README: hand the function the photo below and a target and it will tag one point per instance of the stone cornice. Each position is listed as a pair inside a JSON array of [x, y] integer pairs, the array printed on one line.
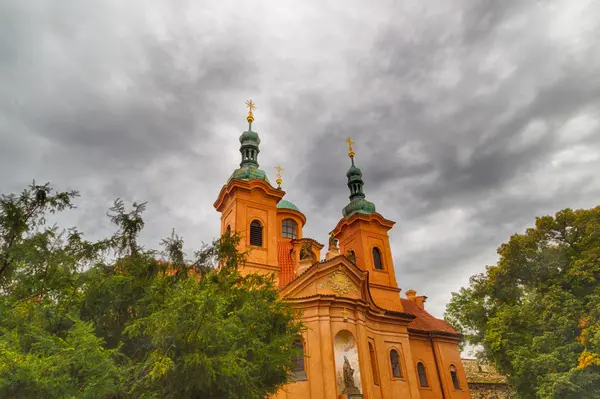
[[249, 186], [372, 217]]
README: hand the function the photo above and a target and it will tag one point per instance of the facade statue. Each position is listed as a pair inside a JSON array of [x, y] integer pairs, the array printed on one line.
[[306, 252], [332, 243], [349, 386], [351, 256]]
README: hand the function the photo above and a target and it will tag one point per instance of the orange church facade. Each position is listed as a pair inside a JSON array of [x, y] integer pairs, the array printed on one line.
[[362, 339]]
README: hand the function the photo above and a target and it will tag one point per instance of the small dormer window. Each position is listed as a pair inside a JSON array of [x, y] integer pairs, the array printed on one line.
[[256, 234], [289, 228]]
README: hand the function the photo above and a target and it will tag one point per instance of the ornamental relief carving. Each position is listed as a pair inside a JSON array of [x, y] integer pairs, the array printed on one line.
[[339, 283]]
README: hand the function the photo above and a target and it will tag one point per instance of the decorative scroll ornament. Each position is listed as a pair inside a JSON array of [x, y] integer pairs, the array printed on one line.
[[339, 282]]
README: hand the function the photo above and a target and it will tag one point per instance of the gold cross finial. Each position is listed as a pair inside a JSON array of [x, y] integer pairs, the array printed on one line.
[[279, 179], [350, 150], [251, 107]]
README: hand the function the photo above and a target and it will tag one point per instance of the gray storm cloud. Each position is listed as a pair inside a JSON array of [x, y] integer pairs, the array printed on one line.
[[470, 118]]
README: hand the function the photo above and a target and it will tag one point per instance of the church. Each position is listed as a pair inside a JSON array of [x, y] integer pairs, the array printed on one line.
[[362, 338]]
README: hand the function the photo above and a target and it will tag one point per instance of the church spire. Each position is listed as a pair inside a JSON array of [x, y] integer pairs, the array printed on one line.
[[358, 203], [249, 150], [355, 181], [249, 141]]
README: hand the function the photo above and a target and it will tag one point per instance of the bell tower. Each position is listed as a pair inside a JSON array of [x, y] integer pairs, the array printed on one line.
[[363, 237], [248, 204]]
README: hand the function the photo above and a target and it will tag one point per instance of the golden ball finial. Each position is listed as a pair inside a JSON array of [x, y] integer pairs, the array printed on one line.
[[251, 107], [279, 179]]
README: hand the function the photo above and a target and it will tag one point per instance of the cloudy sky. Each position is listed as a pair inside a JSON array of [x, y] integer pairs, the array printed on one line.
[[470, 117]]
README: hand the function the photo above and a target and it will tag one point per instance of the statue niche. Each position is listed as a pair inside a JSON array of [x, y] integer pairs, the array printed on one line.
[[347, 366]]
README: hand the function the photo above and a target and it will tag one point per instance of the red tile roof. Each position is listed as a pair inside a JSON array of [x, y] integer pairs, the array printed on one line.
[[285, 262], [424, 321]]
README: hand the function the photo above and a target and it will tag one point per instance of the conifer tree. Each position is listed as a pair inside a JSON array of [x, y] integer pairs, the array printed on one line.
[[111, 319]]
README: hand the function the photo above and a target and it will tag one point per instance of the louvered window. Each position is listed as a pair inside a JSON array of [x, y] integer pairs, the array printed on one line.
[[289, 228], [256, 234]]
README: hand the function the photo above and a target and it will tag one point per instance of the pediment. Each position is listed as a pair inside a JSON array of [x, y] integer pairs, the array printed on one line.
[[338, 277]]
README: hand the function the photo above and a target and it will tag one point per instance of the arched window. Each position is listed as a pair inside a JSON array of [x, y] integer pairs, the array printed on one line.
[[454, 375], [289, 228], [299, 364], [422, 375], [395, 363], [228, 230], [256, 234], [373, 364], [377, 259], [299, 371]]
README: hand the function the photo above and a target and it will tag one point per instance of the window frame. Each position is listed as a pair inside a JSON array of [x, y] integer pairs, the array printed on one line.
[[453, 374], [262, 233], [428, 386], [380, 254], [284, 227], [400, 368], [300, 375], [373, 358]]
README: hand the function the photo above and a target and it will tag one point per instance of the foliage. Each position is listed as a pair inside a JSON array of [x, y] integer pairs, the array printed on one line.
[[108, 319], [536, 314]]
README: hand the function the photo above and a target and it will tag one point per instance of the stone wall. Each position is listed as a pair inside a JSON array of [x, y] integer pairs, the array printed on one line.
[[490, 391]]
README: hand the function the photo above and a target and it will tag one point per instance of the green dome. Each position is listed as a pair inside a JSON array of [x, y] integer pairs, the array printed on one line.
[[358, 205], [249, 173], [353, 171], [285, 204], [249, 135]]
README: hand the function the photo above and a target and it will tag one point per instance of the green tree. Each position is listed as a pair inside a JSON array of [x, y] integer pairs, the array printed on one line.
[[536, 314], [110, 319], [46, 350]]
